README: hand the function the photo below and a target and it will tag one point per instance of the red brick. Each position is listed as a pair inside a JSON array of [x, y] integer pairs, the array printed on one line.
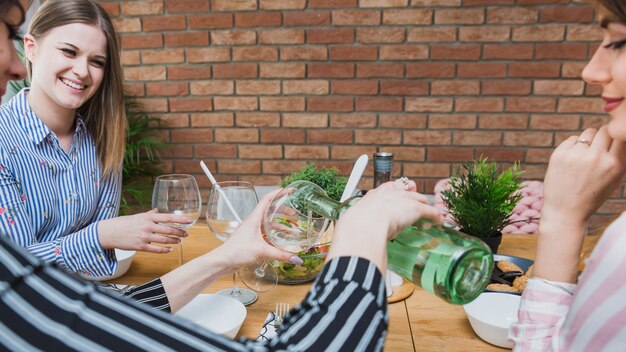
[[187, 39], [356, 18], [330, 70], [378, 137], [308, 87], [191, 104], [561, 51], [255, 53], [484, 34], [141, 41], [479, 104], [257, 19], [404, 52], [330, 104], [306, 53], [236, 135], [235, 71], [383, 3], [554, 122], [199, 55], [180, 151], [186, 167], [281, 36], [163, 56], [380, 35], [330, 36], [229, 5], [260, 152], [282, 103], [526, 138], [211, 21], [379, 70], [531, 104], [578, 105], [450, 154], [257, 119], [481, 70], [215, 151], [358, 120], [558, 87], [308, 18], [407, 17], [305, 120], [564, 14], [113, 9], [378, 104], [588, 32], [282, 4], [426, 170], [238, 167], [282, 167], [573, 69], [134, 89], [130, 57], [407, 153], [189, 72], [402, 121], [477, 137], [186, 6], [427, 137], [164, 23], [487, 2], [126, 25], [192, 135], [215, 119], [503, 122], [430, 70], [236, 103], [508, 51], [540, 33], [432, 34], [283, 70], [455, 87], [456, 16], [265, 87], [233, 37], [138, 8], [404, 87], [153, 104], [505, 87], [350, 152], [452, 121], [331, 4], [144, 73], [212, 87], [306, 152], [333, 137], [429, 104], [167, 88], [534, 69], [501, 154], [294, 136], [511, 15], [353, 53], [354, 87], [463, 52]]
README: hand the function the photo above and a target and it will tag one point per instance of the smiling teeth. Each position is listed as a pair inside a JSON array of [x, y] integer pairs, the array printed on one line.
[[72, 84]]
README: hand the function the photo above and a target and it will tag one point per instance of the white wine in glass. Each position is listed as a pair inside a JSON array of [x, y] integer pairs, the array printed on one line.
[[177, 194]]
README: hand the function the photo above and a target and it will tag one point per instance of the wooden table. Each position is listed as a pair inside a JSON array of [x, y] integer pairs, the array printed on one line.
[[422, 322]]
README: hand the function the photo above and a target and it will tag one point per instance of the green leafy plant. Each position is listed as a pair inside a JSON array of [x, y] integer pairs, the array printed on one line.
[[327, 178], [481, 197]]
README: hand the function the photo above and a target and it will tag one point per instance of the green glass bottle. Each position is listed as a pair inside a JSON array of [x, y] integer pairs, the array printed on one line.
[[454, 266]]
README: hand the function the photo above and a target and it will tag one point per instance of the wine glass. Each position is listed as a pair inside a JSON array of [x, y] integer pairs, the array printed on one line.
[[177, 194], [224, 199]]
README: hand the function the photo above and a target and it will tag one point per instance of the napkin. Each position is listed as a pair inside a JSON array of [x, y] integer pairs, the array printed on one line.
[[268, 331]]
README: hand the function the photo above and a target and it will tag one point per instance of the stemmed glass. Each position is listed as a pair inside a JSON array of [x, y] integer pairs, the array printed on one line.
[[177, 194], [223, 223]]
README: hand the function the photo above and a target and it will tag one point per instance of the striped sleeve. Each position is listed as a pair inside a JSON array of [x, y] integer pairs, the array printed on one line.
[[151, 293]]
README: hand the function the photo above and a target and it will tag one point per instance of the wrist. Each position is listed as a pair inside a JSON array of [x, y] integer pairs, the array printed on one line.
[[102, 235]]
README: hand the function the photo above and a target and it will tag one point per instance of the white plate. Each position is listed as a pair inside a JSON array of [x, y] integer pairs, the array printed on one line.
[[124, 259], [220, 314]]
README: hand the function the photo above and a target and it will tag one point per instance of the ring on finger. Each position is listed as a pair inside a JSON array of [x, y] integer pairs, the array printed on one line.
[[405, 181], [584, 141]]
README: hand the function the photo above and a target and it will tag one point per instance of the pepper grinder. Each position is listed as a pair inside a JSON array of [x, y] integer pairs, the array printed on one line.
[[383, 162]]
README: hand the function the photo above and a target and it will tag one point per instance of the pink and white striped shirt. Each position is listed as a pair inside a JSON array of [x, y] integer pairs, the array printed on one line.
[[590, 316]]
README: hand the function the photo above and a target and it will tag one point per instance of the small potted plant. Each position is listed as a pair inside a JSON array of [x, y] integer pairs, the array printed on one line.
[[481, 197]]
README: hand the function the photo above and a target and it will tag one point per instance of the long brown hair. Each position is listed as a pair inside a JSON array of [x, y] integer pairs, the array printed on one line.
[[104, 112], [616, 8]]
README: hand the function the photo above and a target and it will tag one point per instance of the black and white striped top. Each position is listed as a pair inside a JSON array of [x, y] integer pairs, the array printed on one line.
[[44, 308]]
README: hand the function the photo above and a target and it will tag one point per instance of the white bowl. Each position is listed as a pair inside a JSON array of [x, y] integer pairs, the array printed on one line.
[[220, 314], [491, 316], [124, 259]]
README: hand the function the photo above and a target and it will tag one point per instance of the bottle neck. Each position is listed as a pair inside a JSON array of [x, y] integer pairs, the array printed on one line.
[[327, 207]]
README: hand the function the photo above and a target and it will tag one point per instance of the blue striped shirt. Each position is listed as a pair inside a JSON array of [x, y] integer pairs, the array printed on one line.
[[51, 200]]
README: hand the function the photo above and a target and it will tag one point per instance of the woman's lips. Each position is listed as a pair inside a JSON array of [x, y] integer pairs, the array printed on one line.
[[611, 103]]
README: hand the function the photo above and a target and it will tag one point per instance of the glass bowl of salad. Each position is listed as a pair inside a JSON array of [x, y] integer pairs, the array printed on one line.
[[296, 274]]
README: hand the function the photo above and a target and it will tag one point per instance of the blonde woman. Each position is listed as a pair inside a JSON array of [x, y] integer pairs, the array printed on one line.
[[62, 145]]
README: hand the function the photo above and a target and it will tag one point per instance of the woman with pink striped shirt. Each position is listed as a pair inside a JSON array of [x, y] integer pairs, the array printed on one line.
[[561, 311]]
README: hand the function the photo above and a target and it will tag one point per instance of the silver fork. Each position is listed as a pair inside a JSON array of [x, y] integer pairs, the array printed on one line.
[[281, 309]]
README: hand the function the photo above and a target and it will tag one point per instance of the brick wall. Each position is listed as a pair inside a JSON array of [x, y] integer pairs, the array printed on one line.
[[258, 87]]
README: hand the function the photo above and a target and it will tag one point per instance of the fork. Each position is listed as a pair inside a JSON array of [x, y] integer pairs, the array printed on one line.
[[281, 309]]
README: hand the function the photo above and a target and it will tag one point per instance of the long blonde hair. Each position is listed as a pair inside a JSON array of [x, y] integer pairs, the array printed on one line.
[[104, 112]]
